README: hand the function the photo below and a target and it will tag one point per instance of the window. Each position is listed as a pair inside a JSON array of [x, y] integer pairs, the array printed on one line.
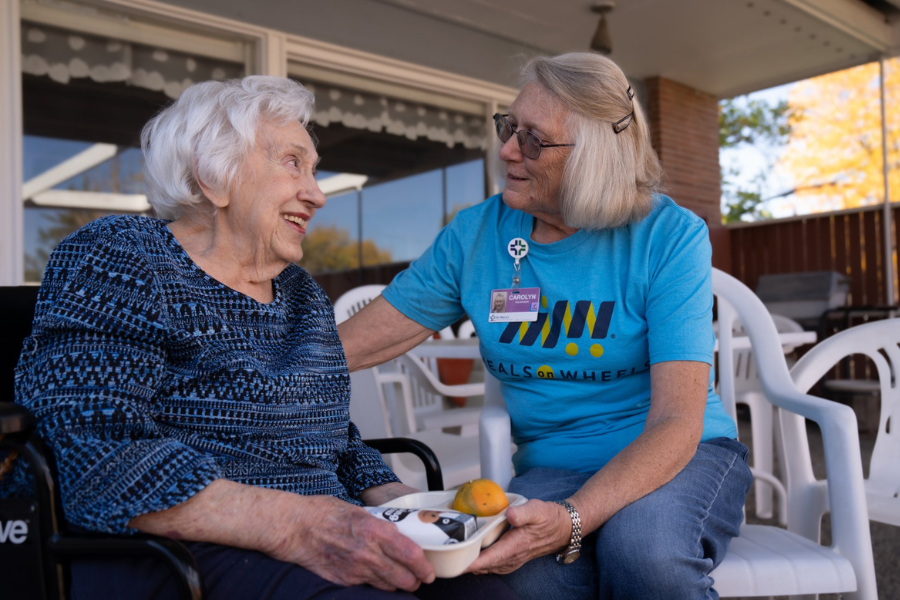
[[85, 100], [418, 165]]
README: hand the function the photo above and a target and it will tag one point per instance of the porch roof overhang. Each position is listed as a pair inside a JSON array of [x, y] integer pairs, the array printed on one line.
[[722, 47]]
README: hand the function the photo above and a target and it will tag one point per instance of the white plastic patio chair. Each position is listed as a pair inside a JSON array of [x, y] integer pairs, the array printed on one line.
[[879, 342], [426, 404], [458, 456], [765, 560], [353, 301], [425, 397]]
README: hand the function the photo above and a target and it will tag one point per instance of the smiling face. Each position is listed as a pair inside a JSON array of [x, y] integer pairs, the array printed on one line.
[[276, 196], [533, 186]]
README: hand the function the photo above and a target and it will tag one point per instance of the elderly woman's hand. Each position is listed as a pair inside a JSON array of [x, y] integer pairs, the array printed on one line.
[[344, 544], [538, 528]]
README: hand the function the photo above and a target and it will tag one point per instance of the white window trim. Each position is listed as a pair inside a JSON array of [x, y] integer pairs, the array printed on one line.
[[12, 219], [400, 79], [262, 50]]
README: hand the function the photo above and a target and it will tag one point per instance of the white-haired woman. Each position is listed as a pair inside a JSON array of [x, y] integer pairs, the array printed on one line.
[[189, 378], [604, 358]]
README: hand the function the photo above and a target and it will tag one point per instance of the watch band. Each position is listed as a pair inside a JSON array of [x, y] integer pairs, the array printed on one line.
[[573, 550]]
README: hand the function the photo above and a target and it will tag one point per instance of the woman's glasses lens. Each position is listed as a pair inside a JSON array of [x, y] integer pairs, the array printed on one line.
[[504, 129], [529, 143]]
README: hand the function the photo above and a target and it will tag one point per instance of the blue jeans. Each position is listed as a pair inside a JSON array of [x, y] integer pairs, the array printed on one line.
[[663, 545]]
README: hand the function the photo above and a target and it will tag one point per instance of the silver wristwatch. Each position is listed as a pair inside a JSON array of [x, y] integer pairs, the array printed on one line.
[[573, 550]]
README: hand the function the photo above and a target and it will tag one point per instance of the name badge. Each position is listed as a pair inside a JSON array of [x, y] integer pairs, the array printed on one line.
[[514, 305]]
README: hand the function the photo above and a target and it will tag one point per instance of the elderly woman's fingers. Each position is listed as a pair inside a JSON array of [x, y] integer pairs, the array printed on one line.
[[404, 551], [346, 545]]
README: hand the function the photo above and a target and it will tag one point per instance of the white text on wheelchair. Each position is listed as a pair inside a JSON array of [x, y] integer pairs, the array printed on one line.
[[15, 531]]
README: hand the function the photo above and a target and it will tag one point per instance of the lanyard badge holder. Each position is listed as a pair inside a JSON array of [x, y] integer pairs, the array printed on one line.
[[515, 304]]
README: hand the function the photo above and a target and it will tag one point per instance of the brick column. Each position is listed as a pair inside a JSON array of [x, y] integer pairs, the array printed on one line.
[[684, 123]]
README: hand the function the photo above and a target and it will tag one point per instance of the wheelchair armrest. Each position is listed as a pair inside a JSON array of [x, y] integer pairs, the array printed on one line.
[[18, 422], [171, 552], [433, 474]]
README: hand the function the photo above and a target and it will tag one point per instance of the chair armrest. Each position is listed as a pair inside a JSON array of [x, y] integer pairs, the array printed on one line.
[[415, 366], [433, 474], [843, 462], [495, 435], [171, 552]]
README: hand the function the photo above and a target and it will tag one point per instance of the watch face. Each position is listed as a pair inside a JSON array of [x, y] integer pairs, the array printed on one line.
[[572, 556]]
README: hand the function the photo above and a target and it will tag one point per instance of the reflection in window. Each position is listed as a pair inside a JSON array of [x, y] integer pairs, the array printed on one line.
[[67, 185], [404, 215], [85, 100], [465, 187], [331, 242], [399, 218]]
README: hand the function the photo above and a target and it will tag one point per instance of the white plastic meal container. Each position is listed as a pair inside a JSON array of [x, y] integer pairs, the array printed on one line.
[[451, 560]]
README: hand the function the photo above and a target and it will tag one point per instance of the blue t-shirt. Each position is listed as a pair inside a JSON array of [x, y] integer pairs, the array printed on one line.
[[612, 302]]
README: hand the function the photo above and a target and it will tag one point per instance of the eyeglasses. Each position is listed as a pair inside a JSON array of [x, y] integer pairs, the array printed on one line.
[[529, 143]]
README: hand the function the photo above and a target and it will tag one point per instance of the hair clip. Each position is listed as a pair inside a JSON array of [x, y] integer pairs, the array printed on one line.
[[630, 93], [623, 123]]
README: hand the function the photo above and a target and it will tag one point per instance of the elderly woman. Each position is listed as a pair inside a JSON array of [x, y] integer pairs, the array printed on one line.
[[603, 354], [190, 380]]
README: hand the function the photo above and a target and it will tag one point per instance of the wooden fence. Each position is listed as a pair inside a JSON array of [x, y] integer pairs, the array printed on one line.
[[850, 242]]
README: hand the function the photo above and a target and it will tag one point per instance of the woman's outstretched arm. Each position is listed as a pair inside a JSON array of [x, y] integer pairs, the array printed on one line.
[[378, 333]]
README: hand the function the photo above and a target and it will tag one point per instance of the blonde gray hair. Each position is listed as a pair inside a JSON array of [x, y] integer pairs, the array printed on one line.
[[208, 133], [610, 177]]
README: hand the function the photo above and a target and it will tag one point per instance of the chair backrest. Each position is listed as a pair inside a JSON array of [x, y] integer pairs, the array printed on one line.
[[879, 342], [353, 301], [367, 405]]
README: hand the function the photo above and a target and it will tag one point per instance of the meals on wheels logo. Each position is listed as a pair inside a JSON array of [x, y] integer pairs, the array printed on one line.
[[564, 321], [580, 326]]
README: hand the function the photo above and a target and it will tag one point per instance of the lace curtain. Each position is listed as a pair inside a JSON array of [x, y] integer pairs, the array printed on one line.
[[361, 110], [63, 55]]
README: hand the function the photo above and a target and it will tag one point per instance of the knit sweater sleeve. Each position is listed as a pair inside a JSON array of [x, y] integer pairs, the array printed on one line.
[[90, 373], [362, 467]]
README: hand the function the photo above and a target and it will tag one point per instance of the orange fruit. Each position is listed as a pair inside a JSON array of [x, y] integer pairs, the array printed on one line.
[[480, 497]]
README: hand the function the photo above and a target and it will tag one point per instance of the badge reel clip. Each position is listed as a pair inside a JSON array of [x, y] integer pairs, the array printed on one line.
[[518, 249]]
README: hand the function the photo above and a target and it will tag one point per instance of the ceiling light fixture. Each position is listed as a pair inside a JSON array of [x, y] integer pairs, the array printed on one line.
[[602, 42]]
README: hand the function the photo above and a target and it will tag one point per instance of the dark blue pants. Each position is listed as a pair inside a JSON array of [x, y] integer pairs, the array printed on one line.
[[235, 574]]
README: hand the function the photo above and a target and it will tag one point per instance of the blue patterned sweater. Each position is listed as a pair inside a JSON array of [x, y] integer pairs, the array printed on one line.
[[150, 379]]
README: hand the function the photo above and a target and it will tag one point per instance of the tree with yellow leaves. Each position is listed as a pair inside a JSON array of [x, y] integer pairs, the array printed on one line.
[[329, 248], [834, 152]]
